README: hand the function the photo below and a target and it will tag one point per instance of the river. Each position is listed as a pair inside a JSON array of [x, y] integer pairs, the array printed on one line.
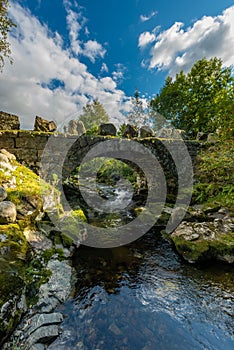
[[143, 296]]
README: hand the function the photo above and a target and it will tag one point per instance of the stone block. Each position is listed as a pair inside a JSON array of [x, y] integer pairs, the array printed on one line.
[[26, 155], [44, 125], [7, 143], [9, 121], [31, 141], [40, 320]]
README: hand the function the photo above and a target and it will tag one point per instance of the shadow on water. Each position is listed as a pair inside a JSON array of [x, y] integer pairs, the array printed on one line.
[[144, 297]]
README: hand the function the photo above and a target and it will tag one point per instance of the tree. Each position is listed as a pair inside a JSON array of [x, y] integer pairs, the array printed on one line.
[[202, 100], [138, 115], [5, 25], [93, 115]]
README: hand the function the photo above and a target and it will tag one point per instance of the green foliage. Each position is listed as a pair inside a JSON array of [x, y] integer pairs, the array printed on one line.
[[121, 129], [202, 100], [92, 131], [5, 25], [215, 176], [115, 169], [107, 170], [93, 115]]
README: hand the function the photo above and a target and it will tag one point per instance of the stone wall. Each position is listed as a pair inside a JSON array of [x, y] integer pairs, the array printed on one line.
[[27, 146]]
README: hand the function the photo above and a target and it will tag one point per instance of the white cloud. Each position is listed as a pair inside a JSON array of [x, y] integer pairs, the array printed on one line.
[[87, 31], [178, 49], [74, 28], [145, 18], [75, 23], [40, 59], [104, 68], [92, 50], [118, 74], [146, 38]]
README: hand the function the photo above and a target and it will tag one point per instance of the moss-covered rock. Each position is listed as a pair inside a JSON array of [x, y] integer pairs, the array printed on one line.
[[205, 240], [71, 227]]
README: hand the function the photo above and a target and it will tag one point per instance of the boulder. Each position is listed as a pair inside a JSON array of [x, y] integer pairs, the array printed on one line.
[[3, 158], [9, 121], [76, 127], [72, 127], [130, 131], [171, 133], [199, 241], [164, 133], [9, 155], [3, 194], [146, 131], [44, 125], [107, 129], [7, 212]]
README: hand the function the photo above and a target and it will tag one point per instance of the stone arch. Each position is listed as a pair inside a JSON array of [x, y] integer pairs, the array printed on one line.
[[83, 145]]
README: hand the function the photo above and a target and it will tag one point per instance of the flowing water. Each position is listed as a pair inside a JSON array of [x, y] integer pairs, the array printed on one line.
[[143, 296]]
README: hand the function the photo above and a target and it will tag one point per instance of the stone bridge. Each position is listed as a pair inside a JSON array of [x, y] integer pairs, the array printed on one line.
[[54, 153]]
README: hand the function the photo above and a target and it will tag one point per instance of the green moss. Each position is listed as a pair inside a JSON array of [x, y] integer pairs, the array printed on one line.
[[48, 253], [15, 243], [13, 263], [28, 184], [30, 190], [191, 251], [18, 268], [79, 214], [10, 280], [224, 244], [35, 275], [67, 241], [70, 226], [203, 249]]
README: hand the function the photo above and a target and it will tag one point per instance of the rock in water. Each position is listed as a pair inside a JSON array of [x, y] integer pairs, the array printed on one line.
[[9, 121], [3, 194], [44, 125], [7, 212]]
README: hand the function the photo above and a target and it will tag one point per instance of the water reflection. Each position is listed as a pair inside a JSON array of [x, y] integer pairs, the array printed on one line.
[[144, 297]]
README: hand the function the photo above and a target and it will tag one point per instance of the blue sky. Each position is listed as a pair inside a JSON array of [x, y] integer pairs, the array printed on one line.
[[67, 52]]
